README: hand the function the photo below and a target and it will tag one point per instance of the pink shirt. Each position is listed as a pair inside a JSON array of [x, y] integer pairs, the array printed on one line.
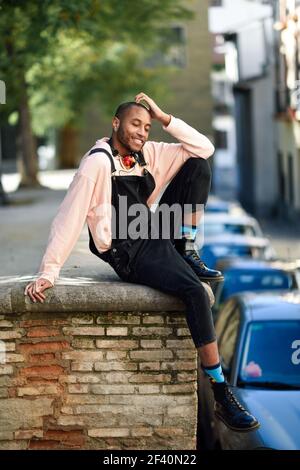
[[88, 198]]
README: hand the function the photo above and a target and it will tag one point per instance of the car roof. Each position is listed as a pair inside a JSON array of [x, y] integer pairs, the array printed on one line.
[[236, 239], [250, 264], [270, 305], [227, 218]]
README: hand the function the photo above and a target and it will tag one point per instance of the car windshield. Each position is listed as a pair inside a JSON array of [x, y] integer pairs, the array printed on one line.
[[238, 281], [218, 228], [271, 355]]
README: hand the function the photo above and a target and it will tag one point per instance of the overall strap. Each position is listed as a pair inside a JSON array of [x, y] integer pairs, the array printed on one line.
[[96, 150]]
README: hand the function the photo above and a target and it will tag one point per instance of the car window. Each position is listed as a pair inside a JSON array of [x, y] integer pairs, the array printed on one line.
[[239, 281], [271, 352], [227, 330]]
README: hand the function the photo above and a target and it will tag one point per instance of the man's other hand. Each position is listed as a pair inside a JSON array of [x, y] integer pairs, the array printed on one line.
[[35, 289]]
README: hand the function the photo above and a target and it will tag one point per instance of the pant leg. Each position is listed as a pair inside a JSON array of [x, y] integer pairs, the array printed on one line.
[[160, 266], [190, 186]]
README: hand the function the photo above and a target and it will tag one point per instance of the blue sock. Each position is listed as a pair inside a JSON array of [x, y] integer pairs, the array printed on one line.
[[214, 372], [188, 233]]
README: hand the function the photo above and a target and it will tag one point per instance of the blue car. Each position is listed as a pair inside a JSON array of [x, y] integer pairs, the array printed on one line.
[[242, 275], [259, 344], [232, 245]]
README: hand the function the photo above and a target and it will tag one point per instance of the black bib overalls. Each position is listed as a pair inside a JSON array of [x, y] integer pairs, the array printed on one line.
[[154, 261]]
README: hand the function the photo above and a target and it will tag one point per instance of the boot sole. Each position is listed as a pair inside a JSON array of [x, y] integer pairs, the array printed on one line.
[[233, 428], [214, 279]]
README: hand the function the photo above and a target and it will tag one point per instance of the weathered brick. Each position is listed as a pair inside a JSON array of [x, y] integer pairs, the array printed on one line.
[[151, 330], [147, 388], [51, 389], [80, 378], [170, 431], [11, 334], [51, 346], [176, 320], [87, 399], [65, 437], [42, 445], [149, 366], [6, 324], [152, 318], [116, 377], [83, 356], [28, 434], [82, 366], [179, 388], [84, 343], [107, 389], [115, 355], [82, 320], [151, 343], [179, 365], [141, 431], [45, 322], [6, 370], [116, 331], [10, 346], [151, 354], [17, 413], [116, 344], [103, 366], [6, 435], [84, 331], [41, 358], [186, 353], [3, 393], [108, 432], [42, 331], [78, 388], [14, 358], [183, 332], [70, 421], [152, 378], [42, 371], [115, 319], [187, 376], [180, 343]]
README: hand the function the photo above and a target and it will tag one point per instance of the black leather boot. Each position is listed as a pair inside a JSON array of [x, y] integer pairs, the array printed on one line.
[[230, 411], [199, 267]]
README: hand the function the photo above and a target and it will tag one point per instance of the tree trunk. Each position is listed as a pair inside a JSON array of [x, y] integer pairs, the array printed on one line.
[[28, 163], [68, 147]]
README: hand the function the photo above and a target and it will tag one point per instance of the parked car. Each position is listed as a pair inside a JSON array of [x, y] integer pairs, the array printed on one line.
[[231, 245], [219, 224], [259, 344], [216, 205], [254, 275]]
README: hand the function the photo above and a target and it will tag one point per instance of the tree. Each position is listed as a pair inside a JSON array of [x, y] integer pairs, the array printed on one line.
[[54, 51]]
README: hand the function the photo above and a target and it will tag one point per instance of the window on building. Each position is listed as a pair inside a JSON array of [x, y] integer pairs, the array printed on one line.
[[221, 140], [290, 179], [216, 3], [173, 50]]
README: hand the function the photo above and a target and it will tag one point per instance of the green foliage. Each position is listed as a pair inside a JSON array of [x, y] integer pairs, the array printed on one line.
[[69, 53]]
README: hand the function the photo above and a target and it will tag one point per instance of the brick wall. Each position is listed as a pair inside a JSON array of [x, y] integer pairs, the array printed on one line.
[[100, 379]]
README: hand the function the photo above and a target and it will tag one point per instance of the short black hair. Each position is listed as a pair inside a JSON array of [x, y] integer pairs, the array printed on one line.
[[124, 107]]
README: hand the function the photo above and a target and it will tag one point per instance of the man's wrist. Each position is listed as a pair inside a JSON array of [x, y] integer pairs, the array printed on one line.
[[165, 119]]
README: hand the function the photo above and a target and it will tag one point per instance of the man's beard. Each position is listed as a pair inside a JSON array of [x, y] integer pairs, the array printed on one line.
[[122, 139]]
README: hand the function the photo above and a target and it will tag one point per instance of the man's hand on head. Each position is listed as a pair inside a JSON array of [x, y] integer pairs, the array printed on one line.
[[154, 109]]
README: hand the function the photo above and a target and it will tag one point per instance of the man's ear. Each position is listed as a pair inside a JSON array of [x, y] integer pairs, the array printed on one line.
[[115, 123]]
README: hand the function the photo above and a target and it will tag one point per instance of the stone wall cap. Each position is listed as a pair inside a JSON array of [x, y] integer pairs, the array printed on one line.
[[87, 294]]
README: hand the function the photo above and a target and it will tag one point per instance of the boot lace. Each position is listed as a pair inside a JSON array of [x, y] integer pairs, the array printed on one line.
[[196, 258], [233, 399]]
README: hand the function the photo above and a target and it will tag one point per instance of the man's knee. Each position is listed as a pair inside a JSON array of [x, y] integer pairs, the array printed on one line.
[[199, 167]]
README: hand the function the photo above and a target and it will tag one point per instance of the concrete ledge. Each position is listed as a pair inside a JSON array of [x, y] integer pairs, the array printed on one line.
[[100, 365], [88, 294]]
